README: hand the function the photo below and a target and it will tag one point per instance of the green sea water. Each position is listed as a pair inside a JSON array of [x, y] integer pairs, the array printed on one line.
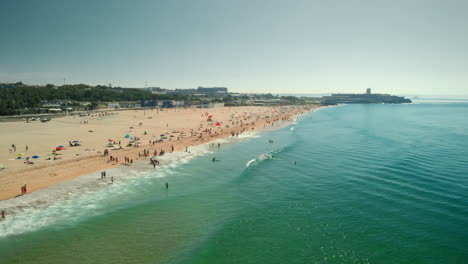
[[346, 184]]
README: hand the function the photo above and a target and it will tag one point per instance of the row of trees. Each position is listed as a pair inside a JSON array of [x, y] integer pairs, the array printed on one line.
[[16, 97], [20, 98]]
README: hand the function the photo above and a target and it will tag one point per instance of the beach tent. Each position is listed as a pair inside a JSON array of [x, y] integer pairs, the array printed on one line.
[[35, 157]]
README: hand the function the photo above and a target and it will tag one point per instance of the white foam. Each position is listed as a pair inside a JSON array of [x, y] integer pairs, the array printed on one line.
[[71, 201], [250, 162]]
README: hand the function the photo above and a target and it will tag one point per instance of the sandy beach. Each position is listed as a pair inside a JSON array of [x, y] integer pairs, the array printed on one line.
[[125, 134]]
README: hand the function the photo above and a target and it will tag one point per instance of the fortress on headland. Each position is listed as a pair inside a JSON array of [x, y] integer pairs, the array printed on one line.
[[367, 98]]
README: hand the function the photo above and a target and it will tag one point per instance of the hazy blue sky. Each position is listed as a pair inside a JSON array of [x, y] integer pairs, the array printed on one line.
[[291, 46]]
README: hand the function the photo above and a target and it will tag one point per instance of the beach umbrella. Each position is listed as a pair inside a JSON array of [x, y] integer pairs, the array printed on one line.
[[218, 124], [58, 148], [20, 154], [61, 146], [35, 157], [127, 136], [75, 141]]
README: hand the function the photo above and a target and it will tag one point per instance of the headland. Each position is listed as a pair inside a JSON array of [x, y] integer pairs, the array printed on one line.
[[367, 98]]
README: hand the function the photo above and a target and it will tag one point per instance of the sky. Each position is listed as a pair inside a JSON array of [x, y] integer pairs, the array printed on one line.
[[288, 46]]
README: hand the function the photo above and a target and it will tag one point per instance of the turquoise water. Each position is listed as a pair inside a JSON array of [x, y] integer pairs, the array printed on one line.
[[371, 184]]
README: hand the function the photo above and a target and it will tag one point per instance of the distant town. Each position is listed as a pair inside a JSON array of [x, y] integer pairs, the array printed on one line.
[[23, 99]]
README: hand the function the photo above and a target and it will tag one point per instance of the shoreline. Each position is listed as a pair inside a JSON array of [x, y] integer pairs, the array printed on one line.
[[44, 175]]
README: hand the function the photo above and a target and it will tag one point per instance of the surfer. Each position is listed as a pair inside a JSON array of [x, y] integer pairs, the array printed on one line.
[[214, 159]]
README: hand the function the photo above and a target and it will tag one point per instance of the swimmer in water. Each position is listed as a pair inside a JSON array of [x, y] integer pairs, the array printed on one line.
[[214, 159]]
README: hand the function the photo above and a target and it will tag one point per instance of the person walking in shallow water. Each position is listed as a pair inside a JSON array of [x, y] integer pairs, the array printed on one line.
[[24, 190], [3, 214], [167, 186]]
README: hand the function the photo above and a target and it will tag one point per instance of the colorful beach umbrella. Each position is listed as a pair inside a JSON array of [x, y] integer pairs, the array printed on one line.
[[35, 157], [20, 154]]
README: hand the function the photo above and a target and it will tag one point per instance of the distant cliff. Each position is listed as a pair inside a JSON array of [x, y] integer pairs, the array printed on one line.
[[367, 98]]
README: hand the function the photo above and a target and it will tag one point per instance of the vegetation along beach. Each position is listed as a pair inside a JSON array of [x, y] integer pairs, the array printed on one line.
[[216, 131]]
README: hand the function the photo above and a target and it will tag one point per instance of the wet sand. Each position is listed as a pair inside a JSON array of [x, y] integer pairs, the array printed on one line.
[[182, 128]]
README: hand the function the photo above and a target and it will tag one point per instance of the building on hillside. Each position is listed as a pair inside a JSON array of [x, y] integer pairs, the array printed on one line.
[[213, 91]]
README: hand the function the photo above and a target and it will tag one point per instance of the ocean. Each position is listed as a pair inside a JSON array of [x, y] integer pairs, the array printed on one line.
[[345, 184]]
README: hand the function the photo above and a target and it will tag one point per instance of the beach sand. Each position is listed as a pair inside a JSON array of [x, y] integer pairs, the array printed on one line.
[[183, 128]]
